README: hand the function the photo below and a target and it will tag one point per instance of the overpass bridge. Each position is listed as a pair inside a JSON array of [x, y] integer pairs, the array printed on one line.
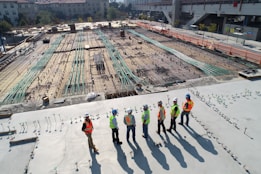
[[199, 9]]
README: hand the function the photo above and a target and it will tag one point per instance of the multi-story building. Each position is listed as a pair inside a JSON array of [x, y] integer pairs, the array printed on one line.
[[9, 10], [68, 9]]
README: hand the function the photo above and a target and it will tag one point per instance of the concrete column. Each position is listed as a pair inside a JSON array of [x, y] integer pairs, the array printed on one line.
[[175, 12]]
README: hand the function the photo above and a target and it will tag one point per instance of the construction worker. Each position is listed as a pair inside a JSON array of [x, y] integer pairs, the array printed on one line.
[[114, 127], [187, 106], [87, 128], [174, 113], [161, 117], [145, 120], [129, 121]]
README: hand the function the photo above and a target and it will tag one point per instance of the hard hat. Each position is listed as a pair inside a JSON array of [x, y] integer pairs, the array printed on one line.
[[145, 107], [159, 102], [114, 112], [175, 99], [129, 110], [86, 115], [188, 96]]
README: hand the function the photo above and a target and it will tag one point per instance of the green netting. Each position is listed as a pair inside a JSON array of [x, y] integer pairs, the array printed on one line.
[[75, 83], [127, 78], [18, 92], [206, 68]]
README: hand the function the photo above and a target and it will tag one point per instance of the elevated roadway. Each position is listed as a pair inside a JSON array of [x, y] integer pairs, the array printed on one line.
[[198, 8]]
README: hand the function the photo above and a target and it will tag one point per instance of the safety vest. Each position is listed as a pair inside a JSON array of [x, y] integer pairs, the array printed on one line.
[[111, 122], [146, 113], [162, 113], [128, 120], [189, 106], [89, 127], [172, 110]]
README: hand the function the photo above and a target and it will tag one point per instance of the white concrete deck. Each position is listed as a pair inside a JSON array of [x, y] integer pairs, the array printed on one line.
[[223, 137]]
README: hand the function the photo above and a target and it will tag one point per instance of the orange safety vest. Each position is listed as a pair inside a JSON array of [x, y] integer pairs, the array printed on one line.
[[128, 120], [161, 113], [189, 106], [89, 127]]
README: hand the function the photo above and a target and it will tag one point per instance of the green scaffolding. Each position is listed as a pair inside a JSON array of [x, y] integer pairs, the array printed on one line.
[[206, 68], [18, 92]]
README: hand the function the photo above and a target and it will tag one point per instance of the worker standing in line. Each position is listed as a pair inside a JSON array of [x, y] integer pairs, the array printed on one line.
[[145, 120], [87, 128], [174, 113], [129, 121], [187, 106], [161, 117], [114, 127]]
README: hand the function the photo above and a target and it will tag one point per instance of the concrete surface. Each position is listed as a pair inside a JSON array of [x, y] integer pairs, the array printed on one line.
[[223, 136]]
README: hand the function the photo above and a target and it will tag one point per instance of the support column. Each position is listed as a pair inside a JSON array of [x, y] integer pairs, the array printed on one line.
[[175, 13]]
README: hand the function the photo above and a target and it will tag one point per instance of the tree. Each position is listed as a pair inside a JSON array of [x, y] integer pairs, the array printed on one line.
[[44, 17], [80, 20], [89, 19], [22, 20], [112, 13], [5, 26]]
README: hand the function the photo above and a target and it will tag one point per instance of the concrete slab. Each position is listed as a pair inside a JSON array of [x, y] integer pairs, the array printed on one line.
[[223, 136]]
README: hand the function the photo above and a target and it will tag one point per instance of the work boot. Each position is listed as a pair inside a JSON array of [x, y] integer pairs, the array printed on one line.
[[181, 123], [169, 130], [119, 143]]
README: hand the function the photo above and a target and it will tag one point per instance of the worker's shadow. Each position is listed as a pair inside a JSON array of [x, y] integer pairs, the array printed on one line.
[[188, 147], [95, 167], [139, 157], [204, 142], [156, 153], [121, 157], [176, 152]]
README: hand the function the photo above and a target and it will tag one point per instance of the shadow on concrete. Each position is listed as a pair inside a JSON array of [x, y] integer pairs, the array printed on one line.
[[121, 157], [95, 167], [188, 147], [176, 152], [139, 158], [204, 142], [156, 153]]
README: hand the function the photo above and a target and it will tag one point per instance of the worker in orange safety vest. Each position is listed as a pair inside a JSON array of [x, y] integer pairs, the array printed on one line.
[[187, 107], [161, 117], [87, 128], [129, 121]]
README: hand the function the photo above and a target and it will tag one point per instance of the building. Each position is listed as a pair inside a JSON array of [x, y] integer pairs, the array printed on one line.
[[9, 10], [68, 9]]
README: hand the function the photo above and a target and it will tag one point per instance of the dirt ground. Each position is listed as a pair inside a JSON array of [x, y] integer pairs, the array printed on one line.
[[70, 69]]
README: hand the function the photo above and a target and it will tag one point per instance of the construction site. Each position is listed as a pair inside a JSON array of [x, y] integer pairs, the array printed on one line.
[[56, 68]]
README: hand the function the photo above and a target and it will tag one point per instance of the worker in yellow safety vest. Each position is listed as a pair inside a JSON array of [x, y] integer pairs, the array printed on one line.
[[174, 113], [145, 120], [129, 121], [114, 127], [187, 107]]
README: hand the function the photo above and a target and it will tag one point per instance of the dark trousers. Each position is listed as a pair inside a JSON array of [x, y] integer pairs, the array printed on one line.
[[187, 116], [145, 130], [173, 123], [161, 123], [132, 128], [115, 135]]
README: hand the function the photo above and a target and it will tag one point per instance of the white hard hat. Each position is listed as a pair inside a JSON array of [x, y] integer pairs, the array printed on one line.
[[86, 115], [175, 99], [129, 110]]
